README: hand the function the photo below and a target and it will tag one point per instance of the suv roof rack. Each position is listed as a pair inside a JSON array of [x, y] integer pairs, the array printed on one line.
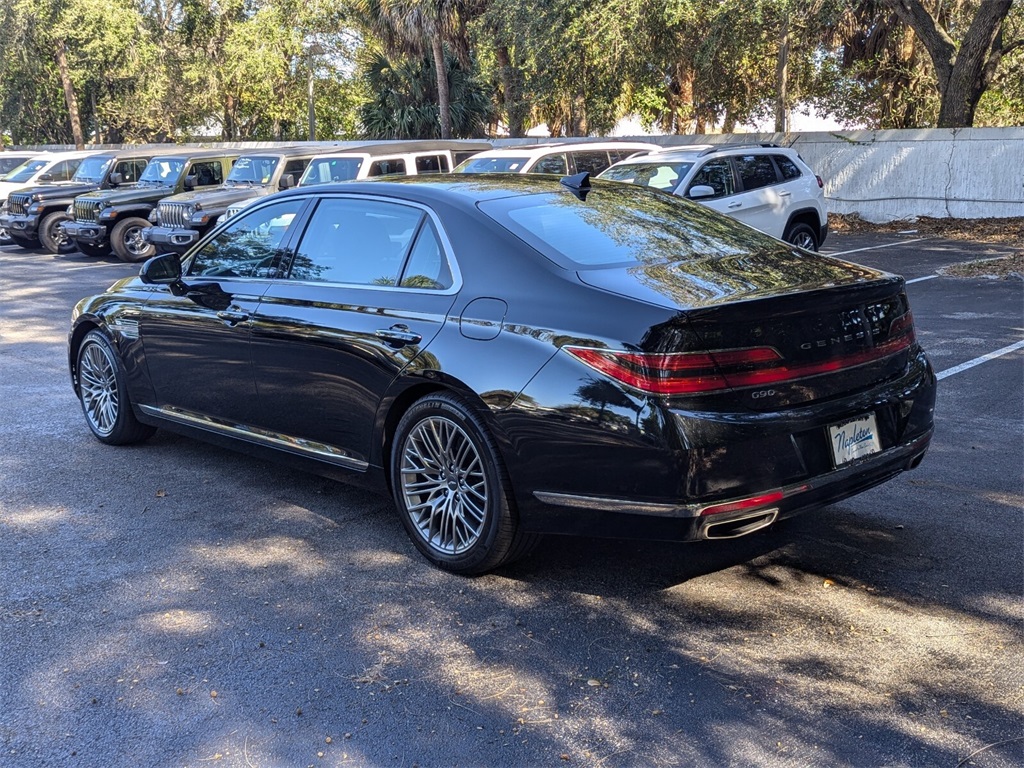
[[761, 145]]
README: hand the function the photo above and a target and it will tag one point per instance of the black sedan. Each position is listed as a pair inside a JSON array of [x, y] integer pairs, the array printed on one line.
[[511, 356]]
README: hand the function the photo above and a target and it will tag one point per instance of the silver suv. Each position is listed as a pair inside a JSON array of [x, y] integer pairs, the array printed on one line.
[[765, 186]]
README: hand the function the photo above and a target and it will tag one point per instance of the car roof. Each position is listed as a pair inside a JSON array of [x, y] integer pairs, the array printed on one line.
[[292, 151], [188, 154], [692, 151], [533, 150], [382, 148]]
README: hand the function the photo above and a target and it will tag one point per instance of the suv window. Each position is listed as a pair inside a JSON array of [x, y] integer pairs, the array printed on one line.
[[716, 174], [551, 164], [593, 162], [208, 173], [622, 154], [755, 171], [64, 170], [787, 167], [130, 170], [250, 245], [387, 167], [355, 241], [431, 164], [295, 167]]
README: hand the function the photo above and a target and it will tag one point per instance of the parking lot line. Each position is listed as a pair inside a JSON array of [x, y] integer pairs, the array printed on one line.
[[919, 279], [876, 247], [979, 360]]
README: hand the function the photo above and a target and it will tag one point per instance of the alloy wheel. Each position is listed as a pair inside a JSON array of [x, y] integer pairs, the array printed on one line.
[[98, 388], [444, 485]]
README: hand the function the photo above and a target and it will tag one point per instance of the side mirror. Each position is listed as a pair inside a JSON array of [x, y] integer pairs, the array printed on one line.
[[164, 269], [699, 191], [190, 183], [287, 182], [45, 177], [116, 179]]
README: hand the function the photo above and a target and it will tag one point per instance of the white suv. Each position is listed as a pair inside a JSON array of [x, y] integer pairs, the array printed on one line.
[[564, 158], [765, 186]]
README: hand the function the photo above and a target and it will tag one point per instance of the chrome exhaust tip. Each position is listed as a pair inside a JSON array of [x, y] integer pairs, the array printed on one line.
[[740, 525]]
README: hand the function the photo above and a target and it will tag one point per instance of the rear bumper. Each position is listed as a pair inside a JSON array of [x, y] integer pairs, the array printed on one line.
[[20, 224], [823, 233], [85, 232], [171, 238]]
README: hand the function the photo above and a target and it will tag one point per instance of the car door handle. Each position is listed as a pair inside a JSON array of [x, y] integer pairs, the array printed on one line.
[[398, 335], [785, 194], [735, 205], [233, 317]]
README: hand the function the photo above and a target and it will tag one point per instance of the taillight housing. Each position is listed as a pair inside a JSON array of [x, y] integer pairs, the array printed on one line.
[[690, 373], [821, 183]]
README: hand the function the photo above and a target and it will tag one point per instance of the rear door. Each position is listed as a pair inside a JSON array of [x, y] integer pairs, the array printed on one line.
[[762, 199], [370, 285]]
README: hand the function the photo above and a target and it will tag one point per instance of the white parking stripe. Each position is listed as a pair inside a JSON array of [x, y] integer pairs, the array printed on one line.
[[919, 279], [980, 360], [876, 247]]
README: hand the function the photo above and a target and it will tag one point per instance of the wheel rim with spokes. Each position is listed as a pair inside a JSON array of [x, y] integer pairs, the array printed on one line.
[[98, 388], [133, 242], [60, 239], [444, 485], [804, 240]]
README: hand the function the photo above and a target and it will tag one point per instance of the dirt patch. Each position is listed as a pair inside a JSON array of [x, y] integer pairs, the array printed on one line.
[[1002, 268], [1005, 231]]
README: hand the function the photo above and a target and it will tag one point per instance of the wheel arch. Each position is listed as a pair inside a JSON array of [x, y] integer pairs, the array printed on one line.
[[808, 216], [78, 333]]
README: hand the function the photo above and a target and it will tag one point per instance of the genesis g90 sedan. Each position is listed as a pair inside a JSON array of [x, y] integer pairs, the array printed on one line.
[[515, 355]]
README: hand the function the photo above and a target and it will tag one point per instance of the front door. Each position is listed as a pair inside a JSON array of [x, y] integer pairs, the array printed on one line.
[[197, 345]]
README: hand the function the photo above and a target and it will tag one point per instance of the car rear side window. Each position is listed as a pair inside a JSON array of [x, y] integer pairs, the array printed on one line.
[[592, 162], [787, 167], [427, 266], [360, 242], [387, 167], [250, 246], [431, 164], [551, 164], [755, 171]]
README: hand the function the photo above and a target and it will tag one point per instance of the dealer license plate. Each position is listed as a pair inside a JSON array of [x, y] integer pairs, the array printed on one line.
[[854, 439]]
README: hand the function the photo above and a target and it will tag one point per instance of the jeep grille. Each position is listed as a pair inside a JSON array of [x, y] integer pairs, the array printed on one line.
[[18, 204], [174, 215], [85, 210]]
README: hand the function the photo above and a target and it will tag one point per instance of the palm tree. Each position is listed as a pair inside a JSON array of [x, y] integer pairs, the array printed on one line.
[[416, 27]]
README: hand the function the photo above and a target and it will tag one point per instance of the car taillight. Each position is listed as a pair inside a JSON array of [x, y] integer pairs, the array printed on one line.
[[688, 373], [765, 499], [821, 184]]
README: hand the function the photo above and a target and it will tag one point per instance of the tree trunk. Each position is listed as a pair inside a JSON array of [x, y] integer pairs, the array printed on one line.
[[516, 111], [61, 56], [963, 74], [228, 129], [782, 79], [443, 96]]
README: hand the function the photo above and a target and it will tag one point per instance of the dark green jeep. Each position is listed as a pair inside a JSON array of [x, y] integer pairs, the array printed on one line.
[[34, 215], [115, 218]]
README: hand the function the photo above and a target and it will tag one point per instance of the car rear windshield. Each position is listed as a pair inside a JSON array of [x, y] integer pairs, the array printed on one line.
[[324, 170], [619, 225], [663, 176], [493, 165]]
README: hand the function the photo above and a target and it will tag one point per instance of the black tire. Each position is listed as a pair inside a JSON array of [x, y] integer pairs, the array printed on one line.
[[460, 514], [126, 239], [51, 236], [94, 249], [803, 236], [103, 394]]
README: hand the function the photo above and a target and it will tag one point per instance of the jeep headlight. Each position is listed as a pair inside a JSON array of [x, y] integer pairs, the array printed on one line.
[[191, 209]]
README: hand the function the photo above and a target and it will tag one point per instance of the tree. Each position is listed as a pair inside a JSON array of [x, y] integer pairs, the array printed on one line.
[[966, 68]]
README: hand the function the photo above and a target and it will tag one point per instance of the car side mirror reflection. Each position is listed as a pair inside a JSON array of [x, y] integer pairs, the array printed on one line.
[[287, 182], [46, 177], [700, 190]]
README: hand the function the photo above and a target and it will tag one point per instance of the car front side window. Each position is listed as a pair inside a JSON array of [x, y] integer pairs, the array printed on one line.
[[250, 246], [716, 174]]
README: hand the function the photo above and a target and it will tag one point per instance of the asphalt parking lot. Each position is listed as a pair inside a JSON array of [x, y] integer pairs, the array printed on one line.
[[175, 604]]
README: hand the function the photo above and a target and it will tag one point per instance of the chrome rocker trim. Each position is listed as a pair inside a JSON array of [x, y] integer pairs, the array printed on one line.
[[296, 445]]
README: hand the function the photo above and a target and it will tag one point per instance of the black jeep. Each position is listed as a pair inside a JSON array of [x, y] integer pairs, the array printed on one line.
[[35, 215], [115, 218]]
